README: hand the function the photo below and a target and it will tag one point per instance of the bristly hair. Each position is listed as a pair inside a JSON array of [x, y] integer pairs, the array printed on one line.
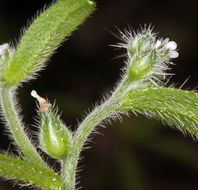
[[144, 42]]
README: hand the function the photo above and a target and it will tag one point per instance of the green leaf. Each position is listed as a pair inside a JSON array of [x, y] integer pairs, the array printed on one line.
[[174, 106], [14, 168], [43, 36]]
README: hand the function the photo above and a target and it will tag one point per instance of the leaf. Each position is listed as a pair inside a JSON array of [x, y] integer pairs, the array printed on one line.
[[174, 106], [43, 36], [14, 168]]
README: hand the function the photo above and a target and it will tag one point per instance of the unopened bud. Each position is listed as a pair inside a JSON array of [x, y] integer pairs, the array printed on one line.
[[140, 42], [140, 66]]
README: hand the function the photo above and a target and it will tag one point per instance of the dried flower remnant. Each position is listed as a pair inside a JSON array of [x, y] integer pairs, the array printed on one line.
[[44, 104]]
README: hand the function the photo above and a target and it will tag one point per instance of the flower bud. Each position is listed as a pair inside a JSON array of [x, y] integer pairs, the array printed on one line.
[[140, 42], [140, 66], [54, 137]]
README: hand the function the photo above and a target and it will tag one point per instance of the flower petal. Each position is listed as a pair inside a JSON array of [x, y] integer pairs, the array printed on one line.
[[3, 48], [173, 54], [171, 45]]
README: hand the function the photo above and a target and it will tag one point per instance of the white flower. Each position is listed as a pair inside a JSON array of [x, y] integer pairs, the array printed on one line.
[[173, 54], [3, 47], [172, 47]]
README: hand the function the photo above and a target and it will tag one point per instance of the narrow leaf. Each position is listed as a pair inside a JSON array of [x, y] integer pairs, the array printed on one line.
[[13, 168], [174, 106], [43, 36]]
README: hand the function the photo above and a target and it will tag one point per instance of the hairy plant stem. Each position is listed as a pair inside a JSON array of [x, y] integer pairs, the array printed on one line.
[[70, 164], [108, 108], [13, 119]]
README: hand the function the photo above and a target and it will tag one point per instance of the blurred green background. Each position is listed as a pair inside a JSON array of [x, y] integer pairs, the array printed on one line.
[[138, 153]]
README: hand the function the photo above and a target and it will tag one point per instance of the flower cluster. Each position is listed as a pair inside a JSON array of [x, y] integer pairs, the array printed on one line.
[[148, 57]]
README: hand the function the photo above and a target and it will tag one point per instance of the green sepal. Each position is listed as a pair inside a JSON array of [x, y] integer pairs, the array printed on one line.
[[43, 36], [54, 137], [140, 66], [14, 168]]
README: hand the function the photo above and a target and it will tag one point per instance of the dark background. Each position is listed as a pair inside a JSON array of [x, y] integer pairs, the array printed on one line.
[[139, 153]]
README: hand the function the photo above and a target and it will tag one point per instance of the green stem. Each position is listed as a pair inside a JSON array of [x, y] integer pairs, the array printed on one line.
[[108, 108], [70, 164], [16, 128]]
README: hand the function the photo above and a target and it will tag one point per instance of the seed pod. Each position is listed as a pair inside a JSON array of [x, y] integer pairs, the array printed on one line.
[[54, 137]]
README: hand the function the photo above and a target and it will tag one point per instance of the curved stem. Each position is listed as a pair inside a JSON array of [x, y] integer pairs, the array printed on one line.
[[108, 108], [16, 127], [70, 164]]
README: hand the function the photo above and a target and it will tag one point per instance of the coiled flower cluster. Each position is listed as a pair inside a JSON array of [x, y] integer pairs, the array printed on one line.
[[148, 58]]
